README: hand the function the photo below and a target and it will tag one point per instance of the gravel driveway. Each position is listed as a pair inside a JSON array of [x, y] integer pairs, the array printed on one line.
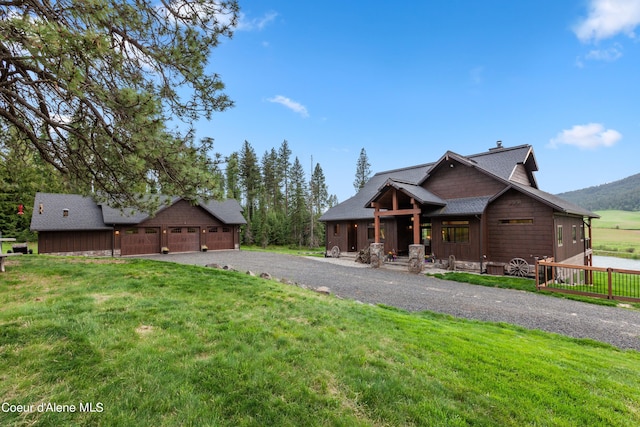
[[347, 279]]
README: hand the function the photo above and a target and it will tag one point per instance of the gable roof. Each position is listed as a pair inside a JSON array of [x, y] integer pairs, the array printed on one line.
[[420, 194], [499, 163], [83, 213]]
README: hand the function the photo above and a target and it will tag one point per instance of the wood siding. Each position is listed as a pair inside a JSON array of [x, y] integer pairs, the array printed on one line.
[[570, 247], [520, 175], [507, 240], [196, 227], [74, 241], [465, 251], [461, 181]]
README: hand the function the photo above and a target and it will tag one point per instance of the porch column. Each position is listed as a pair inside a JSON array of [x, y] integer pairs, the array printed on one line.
[[416, 223], [376, 223]]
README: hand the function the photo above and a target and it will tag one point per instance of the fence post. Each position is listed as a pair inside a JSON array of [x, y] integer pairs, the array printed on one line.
[[610, 285]]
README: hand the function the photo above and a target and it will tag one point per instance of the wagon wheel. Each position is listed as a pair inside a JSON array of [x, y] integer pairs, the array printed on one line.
[[335, 252], [518, 267]]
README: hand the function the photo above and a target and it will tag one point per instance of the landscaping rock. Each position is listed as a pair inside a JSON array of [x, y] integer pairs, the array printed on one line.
[[323, 290], [265, 276]]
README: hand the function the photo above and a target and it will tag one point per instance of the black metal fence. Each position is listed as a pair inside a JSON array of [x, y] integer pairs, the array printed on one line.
[[609, 283]]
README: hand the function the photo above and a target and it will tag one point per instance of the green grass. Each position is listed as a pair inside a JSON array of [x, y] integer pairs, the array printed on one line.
[[617, 233], [171, 345], [289, 250], [623, 220]]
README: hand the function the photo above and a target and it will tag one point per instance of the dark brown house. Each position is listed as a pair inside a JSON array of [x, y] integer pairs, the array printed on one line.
[[71, 224], [483, 208]]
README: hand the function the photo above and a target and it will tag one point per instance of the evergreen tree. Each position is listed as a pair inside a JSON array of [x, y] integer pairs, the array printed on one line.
[[232, 173], [250, 182], [318, 195], [22, 174], [89, 85], [284, 164], [363, 171], [298, 211]]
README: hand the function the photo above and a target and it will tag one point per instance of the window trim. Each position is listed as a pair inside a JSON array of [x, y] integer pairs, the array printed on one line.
[[559, 236]]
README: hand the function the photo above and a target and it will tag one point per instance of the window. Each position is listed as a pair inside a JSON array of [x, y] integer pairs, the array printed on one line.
[[455, 231], [176, 230], [574, 233], [225, 229], [516, 221], [131, 231], [151, 231], [559, 235], [336, 229], [213, 229], [371, 232], [192, 230]]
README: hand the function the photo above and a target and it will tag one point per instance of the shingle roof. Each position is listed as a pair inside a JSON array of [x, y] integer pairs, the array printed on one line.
[[555, 202], [228, 211], [113, 215], [420, 194], [82, 213], [464, 206], [499, 163], [85, 214]]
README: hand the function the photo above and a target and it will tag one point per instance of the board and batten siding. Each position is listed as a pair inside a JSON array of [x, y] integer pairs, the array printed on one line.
[[461, 181], [507, 240], [570, 247], [97, 242]]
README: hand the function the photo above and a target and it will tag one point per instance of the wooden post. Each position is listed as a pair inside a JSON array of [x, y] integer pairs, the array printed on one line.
[[376, 223], [416, 224]]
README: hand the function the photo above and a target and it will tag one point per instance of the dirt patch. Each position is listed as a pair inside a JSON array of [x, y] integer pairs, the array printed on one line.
[[95, 261], [144, 330]]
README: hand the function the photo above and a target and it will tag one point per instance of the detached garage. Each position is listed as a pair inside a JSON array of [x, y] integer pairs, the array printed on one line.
[[76, 225]]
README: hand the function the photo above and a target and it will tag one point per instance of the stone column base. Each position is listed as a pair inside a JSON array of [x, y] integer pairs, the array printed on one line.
[[416, 258], [376, 251]]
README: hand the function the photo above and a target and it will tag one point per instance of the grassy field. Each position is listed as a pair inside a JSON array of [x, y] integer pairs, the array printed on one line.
[[617, 233], [152, 343]]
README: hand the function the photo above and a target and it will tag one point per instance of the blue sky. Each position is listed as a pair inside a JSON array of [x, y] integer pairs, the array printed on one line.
[[410, 80]]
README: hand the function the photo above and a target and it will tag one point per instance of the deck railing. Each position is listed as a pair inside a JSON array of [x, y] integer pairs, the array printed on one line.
[[609, 283]]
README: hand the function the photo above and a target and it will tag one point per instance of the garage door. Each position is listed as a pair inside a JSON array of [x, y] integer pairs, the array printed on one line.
[[140, 240], [220, 238], [183, 239]]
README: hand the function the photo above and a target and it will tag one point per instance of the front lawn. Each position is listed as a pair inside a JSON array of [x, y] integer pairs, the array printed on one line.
[[153, 343]]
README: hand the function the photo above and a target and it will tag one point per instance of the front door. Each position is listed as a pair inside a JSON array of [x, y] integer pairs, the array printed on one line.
[[352, 237]]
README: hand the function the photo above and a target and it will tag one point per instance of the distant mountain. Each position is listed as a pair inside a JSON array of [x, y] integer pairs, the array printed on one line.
[[621, 195]]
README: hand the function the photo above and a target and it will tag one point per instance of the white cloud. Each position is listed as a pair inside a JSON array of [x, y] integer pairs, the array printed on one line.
[[610, 54], [589, 136], [290, 104], [245, 24], [608, 18]]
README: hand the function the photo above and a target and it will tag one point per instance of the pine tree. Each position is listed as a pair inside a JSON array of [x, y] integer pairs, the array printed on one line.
[[363, 171], [232, 173], [90, 86], [298, 212], [250, 182], [284, 164], [318, 195]]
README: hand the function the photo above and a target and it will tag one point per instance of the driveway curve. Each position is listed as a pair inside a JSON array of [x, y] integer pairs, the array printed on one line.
[[617, 326]]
